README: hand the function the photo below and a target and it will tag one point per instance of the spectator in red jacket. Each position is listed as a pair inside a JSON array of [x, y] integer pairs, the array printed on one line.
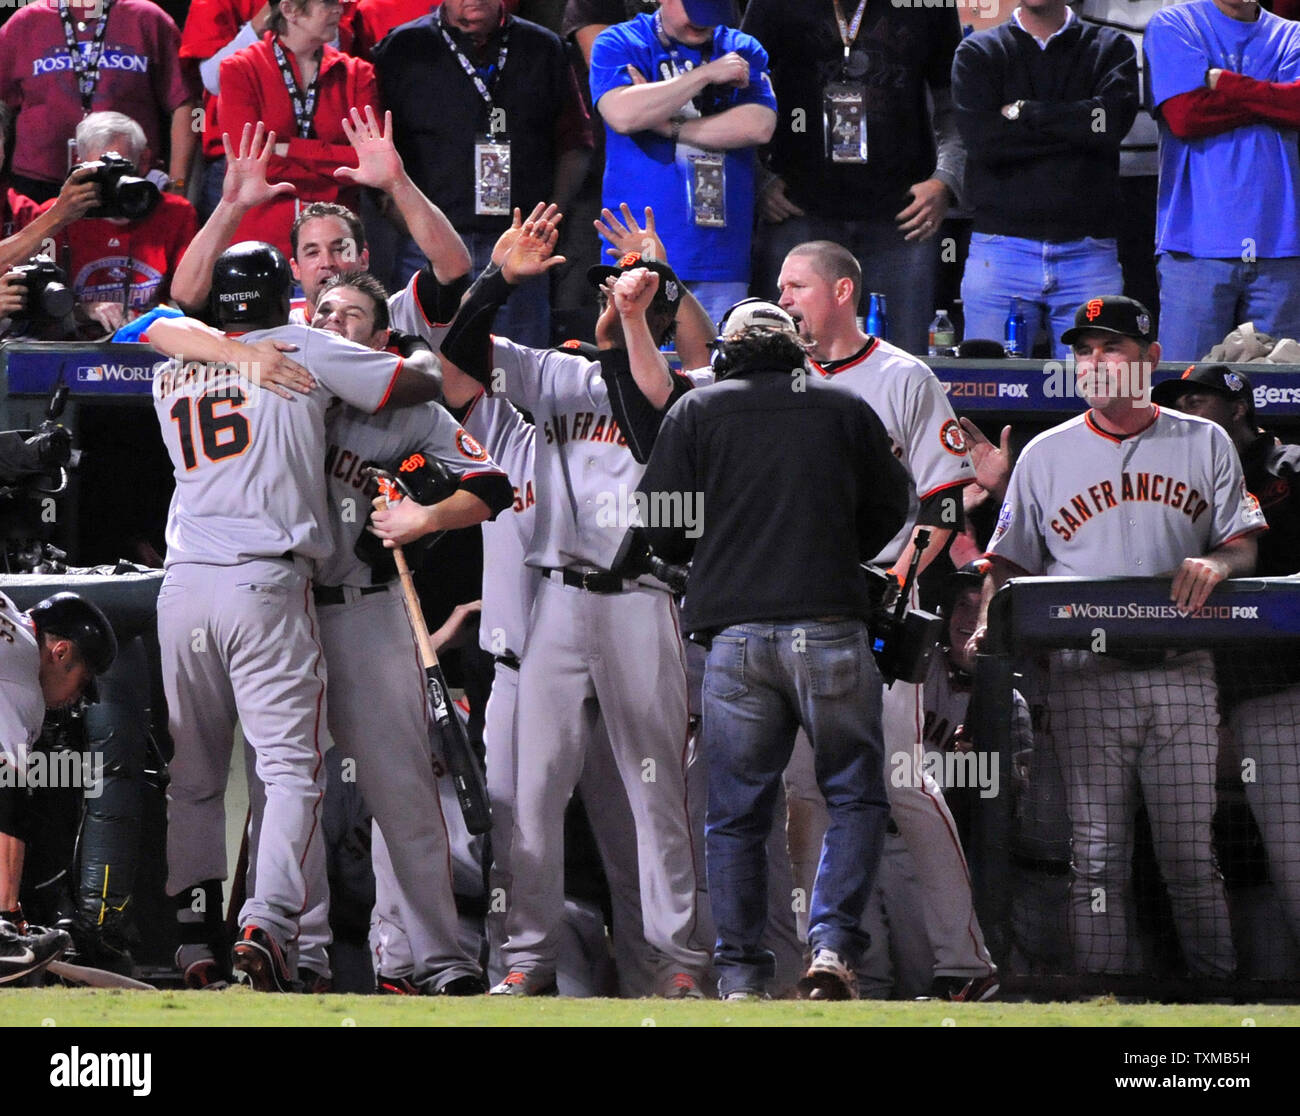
[[126, 60], [255, 86]]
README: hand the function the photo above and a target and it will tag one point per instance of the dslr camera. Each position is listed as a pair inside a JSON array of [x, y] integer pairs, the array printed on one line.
[[49, 298], [903, 639], [122, 192]]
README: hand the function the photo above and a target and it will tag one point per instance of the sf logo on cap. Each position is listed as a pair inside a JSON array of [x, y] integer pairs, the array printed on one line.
[[630, 259], [1093, 310]]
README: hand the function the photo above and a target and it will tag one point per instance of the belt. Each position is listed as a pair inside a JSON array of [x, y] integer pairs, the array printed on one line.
[[343, 594], [593, 581], [511, 661]]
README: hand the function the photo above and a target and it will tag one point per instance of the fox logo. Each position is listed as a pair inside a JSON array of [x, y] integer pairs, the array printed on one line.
[[1093, 310]]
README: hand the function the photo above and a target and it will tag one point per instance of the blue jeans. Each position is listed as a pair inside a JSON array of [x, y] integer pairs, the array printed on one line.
[[1203, 300], [761, 682], [525, 319], [1051, 279], [903, 271]]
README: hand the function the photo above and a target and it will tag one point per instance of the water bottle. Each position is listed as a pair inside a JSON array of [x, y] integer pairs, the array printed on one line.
[[943, 335], [1016, 343], [878, 317]]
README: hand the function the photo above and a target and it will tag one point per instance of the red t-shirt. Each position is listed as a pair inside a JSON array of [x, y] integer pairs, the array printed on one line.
[[18, 212], [100, 255], [210, 26], [253, 89], [140, 75]]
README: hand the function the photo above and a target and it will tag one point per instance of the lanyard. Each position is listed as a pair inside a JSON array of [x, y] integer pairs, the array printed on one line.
[[849, 31], [670, 45], [468, 66], [86, 68], [303, 107]]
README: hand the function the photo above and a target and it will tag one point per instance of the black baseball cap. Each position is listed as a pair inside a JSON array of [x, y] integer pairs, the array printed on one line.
[[1111, 314], [670, 291], [1218, 378]]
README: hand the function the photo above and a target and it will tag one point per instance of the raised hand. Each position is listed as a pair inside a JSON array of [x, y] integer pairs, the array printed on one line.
[[245, 184], [378, 163], [992, 463], [627, 236], [533, 250], [634, 291]]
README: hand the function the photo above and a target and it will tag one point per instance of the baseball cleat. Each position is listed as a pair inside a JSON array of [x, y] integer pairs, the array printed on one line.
[[964, 990], [260, 959], [396, 986], [312, 983], [199, 969], [828, 978], [24, 954], [471, 984], [682, 986], [524, 984]]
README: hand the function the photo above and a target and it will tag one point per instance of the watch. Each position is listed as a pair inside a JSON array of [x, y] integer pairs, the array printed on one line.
[[1012, 111], [677, 122]]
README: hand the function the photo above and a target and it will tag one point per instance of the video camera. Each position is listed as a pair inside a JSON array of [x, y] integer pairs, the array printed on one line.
[[903, 639], [635, 559], [122, 192], [34, 466], [49, 298]]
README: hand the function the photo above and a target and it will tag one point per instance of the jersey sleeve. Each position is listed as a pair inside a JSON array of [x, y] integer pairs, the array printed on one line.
[[1176, 56], [518, 372], [504, 433], [1018, 536], [936, 445], [1236, 511], [357, 375]]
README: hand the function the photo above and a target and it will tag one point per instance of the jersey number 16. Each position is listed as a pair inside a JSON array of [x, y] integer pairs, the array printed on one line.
[[221, 435]]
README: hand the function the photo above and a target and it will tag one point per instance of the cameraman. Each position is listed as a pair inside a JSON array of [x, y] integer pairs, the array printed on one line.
[[119, 267], [798, 486]]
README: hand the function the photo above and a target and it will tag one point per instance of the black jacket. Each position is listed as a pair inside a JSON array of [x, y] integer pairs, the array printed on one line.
[[797, 487], [1053, 174]]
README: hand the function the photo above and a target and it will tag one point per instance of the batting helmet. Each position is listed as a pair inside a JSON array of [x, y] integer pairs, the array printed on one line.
[[70, 616], [250, 284], [417, 477]]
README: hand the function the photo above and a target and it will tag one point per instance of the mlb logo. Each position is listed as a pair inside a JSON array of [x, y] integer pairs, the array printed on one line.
[[88, 374], [1061, 612]]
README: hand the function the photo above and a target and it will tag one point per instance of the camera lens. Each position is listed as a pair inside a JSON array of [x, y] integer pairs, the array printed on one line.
[[57, 300], [136, 197]]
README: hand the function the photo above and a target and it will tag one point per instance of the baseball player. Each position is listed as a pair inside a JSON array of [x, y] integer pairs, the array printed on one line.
[[819, 285], [49, 657], [368, 648], [597, 642], [1259, 690], [1130, 489], [237, 625]]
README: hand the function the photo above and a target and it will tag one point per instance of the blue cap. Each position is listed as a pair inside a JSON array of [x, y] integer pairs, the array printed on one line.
[[709, 13]]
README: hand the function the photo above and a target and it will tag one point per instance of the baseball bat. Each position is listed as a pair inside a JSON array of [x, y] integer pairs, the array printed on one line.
[[459, 756]]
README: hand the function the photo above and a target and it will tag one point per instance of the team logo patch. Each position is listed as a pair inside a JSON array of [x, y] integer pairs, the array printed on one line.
[[1092, 311], [1144, 323], [469, 448], [574, 344], [954, 441], [630, 260], [1232, 380], [1004, 522], [671, 292]]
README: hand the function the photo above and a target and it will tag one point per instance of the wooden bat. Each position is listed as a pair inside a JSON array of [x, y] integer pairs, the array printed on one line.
[[457, 753], [96, 978]]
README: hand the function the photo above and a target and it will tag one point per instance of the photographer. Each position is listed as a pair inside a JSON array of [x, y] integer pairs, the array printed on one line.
[[120, 257], [798, 486]]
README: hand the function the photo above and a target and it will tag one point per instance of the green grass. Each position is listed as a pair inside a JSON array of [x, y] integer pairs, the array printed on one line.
[[239, 1007]]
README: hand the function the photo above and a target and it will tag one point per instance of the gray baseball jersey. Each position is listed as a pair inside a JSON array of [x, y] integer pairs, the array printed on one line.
[[354, 439], [509, 585], [1085, 503], [585, 472], [22, 707], [923, 431], [249, 482]]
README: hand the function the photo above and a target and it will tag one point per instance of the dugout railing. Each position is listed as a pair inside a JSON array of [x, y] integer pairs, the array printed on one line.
[[1149, 763]]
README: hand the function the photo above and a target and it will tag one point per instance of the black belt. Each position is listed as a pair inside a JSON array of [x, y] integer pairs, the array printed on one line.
[[333, 594], [596, 581], [511, 661]]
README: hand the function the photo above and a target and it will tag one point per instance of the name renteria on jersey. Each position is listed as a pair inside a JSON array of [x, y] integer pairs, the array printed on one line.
[[582, 426], [1154, 488]]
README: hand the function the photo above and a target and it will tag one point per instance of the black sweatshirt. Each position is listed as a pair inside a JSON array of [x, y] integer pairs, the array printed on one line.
[[797, 486], [1053, 174]]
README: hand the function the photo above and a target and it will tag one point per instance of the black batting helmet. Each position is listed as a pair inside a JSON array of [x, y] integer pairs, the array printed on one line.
[[250, 284], [416, 477], [70, 616]]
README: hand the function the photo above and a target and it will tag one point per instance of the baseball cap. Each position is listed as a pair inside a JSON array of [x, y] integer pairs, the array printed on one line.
[[1218, 378], [1111, 314], [670, 290], [708, 13], [756, 313]]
